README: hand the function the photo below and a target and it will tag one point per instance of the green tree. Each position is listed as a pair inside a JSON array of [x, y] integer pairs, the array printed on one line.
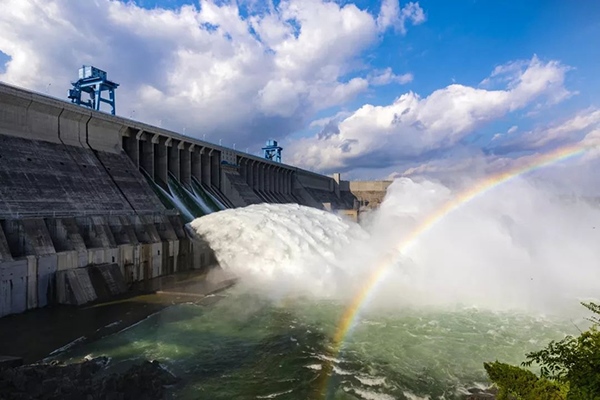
[[569, 369]]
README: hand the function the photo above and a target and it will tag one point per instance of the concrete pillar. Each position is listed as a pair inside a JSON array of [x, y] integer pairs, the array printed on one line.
[[196, 161], [283, 180], [256, 175], [261, 176], [96, 232], [250, 173], [146, 152], [206, 166], [177, 224], [242, 162], [164, 228], [131, 146], [122, 230], [13, 287], [278, 185], [15, 237], [145, 230], [28, 237], [335, 182], [4, 249], [280, 176], [173, 160], [290, 183], [215, 169], [161, 164], [65, 234], [185, 164], [267, 178], [271, 175], [37, 237]]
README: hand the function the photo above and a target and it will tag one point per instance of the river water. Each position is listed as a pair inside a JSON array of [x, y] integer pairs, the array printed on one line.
[[496, 279], [239, 345]]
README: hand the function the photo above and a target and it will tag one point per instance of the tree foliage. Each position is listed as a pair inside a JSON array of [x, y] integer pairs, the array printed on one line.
[[514, 382], [569, 369]]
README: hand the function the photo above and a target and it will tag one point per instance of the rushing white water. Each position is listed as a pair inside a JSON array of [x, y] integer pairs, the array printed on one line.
[[200, 201], [176, 201], [513, 247], [285, 246]]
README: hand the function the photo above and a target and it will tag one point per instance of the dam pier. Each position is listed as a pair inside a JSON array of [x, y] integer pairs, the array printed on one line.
[[91, 203]]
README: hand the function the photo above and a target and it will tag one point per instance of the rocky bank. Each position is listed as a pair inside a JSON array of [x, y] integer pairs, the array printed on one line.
[[87, 380]]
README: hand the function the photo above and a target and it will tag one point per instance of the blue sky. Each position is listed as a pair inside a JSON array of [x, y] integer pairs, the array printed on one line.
[[403, 87], [462, 41]]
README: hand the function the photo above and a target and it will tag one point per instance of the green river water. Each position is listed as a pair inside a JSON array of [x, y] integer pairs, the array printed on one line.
[[238, 345]]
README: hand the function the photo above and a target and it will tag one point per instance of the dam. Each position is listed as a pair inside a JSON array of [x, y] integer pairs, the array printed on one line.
[[91, 203]]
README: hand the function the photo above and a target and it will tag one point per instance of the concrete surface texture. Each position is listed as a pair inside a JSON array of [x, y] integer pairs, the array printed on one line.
[[49, 258], [369, 194], [81, 188], [44, 178], [159, 152]]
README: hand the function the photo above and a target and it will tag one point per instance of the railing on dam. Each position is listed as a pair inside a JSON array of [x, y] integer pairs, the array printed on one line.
[[91, 213]]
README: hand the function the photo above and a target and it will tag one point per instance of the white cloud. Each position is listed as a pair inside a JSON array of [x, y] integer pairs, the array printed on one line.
[[571, 130], [531, 75], [411, 127], [208, 68], [321, 122], [387, 76], [391, 15], [463, 165]]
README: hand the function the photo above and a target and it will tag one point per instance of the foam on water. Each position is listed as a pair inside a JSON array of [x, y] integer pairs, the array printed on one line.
[[515, 247], [372, 395], [284, 246]]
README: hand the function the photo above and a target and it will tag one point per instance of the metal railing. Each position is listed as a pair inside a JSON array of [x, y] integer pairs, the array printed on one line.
[[90, 213]]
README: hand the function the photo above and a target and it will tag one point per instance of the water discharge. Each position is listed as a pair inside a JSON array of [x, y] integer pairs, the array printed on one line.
[[495, 279], [516, 248]]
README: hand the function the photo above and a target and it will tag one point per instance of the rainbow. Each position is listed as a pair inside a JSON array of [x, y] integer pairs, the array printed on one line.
[[351, 313]]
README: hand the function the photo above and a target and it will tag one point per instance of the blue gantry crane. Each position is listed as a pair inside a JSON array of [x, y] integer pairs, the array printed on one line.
[[272, 151], [93, 81]]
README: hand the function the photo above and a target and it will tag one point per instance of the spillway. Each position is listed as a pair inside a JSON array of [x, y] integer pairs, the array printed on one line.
[[80, 187], [419, 337]]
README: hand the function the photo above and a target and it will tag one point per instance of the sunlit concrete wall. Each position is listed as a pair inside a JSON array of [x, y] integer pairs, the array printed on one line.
[[33, 250], [73, 193]]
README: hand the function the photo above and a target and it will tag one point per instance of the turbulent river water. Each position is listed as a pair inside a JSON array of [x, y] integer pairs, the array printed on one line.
[[494, 280]]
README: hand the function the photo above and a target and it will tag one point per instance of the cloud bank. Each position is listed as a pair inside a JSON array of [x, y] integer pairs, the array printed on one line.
[[240, 73], [413, 127]]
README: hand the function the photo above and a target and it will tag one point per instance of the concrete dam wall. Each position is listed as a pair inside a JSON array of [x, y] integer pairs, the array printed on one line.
[[88, 199]]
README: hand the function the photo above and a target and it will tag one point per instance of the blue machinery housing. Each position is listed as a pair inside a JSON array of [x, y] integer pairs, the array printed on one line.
[[272, 151], [93, 81]]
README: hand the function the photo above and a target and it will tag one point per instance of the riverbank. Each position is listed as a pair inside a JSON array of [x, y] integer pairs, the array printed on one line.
[[86, 380], [37, 334]]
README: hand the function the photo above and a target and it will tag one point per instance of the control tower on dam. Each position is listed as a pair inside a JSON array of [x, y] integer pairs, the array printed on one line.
[[88, 199]]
